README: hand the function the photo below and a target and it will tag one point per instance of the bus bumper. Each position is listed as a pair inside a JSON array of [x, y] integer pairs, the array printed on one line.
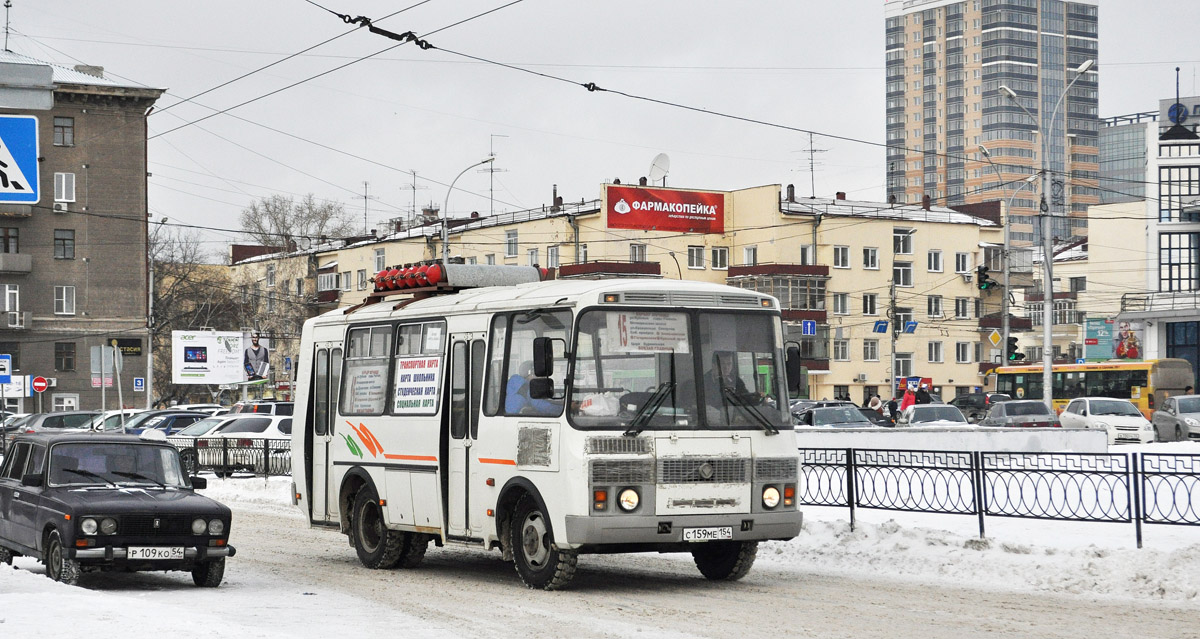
[[584, 531]]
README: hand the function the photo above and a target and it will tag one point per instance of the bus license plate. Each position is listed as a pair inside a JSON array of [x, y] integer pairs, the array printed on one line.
[[716, 533], [157, 552]]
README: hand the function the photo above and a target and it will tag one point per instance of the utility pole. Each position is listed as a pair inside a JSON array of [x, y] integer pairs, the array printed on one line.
[[366, 199], [414, 188], [491, 170]]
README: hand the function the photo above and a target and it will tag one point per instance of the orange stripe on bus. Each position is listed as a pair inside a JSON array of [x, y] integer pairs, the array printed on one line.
[[410, 457], [502, 462], [366, 441], [372, 436]]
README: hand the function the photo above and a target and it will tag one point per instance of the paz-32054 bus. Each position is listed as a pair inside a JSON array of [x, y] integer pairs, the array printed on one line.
[[548, 419]]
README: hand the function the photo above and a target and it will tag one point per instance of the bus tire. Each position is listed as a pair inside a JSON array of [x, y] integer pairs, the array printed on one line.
[[377, 546], [415, 545], [539, 562], [725, 560]]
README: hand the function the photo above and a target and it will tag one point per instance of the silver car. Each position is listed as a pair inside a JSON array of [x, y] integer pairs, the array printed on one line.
[[1021, 413], [1178, 418]]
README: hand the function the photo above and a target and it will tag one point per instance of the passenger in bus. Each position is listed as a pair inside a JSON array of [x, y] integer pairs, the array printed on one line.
[[721, 378], [517, 400]]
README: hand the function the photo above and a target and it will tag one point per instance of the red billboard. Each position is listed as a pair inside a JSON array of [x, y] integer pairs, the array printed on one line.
[[647, 209]]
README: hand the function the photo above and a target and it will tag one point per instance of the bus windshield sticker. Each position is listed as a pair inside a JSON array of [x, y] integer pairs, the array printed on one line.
[[645, 332], [367, 387], [417, 384]]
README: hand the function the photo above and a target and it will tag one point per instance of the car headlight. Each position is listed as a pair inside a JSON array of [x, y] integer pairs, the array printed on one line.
[[628, 499], [770, 497], [108, 526], [1103, 425], [199, 526], [1147, 426], [89, 526], [216, 527], [1191, 422]]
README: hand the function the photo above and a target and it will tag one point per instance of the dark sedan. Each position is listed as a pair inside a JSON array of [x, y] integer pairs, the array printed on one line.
[[92, 502], [1021, 413]]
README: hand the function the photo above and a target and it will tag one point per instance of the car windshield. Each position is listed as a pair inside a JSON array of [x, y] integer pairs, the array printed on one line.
[[837, 415], [1189, 405], [945, 413], [201, 427], [676, 370], [247, 425], [105, 463], [1026, 408], [1111, 407]]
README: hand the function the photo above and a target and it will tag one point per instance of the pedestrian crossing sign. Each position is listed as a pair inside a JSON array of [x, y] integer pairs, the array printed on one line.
[[19, 159]]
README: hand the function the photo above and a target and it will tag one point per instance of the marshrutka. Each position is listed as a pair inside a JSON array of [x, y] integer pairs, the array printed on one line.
[[482, 406]]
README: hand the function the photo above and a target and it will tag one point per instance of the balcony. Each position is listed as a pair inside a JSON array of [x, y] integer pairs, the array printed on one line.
[[1166, 303], [15, 263], [996, 321], [15, 320], [329, 297]]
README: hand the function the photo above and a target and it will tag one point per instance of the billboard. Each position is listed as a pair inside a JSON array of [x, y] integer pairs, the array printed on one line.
[[650, 209], [207, 357], [1098, 339], [256, 356], [1127, 342]]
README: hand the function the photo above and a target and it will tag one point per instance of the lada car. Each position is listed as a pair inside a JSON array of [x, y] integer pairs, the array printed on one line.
[[83, 502]]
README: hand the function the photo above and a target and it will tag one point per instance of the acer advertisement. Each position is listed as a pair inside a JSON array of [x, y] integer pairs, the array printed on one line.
[[647, 209]]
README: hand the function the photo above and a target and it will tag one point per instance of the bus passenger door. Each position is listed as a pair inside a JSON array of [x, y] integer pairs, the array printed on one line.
[[466, 389], [327, 373]]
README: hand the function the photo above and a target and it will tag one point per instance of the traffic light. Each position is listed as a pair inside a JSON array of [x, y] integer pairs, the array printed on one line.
[[982, 279], [1014, 355]]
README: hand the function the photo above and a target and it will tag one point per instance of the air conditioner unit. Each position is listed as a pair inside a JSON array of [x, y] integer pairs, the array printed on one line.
[[16, 319], [61, 207], [967, 277], [861, 377], [51, 382]]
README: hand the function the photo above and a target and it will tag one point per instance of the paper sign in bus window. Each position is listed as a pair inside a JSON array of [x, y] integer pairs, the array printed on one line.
[[647, 332]]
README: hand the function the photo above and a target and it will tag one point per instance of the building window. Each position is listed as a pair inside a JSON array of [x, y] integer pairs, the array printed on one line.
[[510, 243], [902, 273], [962, 262], [841, 257], [362, 279], [64, 187], [637, 252], [1078, 284], [870, 304], [531, 257], [271, 299], [841, 303], [903, 365], [720, 258], [750, 255], [270, 268], [64, 356], [345, 280], [934, 262], [64, 131], [552, 256], [935, 352], [904, 315], [12, 297], [64, 244], [299, 288], [871, 350], [793, 292], [380, 261], [490, 258], [871, 258], [583, 258], [14, 349], [962, 308], [962, 352], [902, 243], [841, 350], [934, 308], [64, 300], [327, 282], [695, 257], [472, 260], [9, 239]]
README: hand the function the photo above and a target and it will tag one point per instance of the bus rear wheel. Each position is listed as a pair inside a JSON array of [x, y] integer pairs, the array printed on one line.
[[377, 546], [725, 560], [540, 563]]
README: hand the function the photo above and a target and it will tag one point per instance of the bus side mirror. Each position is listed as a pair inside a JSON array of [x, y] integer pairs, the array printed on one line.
[[541, 387], [543, 356], [793, 369]]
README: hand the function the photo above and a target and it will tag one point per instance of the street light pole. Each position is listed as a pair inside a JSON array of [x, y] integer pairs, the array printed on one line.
[[1005, 325], [1047, 230], [446, 208]]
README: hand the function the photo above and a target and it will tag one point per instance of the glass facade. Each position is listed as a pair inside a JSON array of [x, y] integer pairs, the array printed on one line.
[[1123, 162]]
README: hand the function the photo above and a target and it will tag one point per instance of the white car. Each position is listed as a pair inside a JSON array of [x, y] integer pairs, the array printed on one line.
[[110, 420], [1118, 417], [939, 415], [247, 442]]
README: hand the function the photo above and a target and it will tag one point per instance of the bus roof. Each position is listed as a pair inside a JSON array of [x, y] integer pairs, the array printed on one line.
[[654, 292]]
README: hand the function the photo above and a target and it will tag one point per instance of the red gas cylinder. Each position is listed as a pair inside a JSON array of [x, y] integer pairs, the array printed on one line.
[[379, 283], [433, 274], [391, 278], [422, 280]]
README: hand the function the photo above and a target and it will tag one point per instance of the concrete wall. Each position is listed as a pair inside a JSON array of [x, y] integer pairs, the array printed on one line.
[[1029, 440]]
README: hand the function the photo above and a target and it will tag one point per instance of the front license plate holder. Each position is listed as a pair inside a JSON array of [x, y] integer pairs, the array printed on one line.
[[711, 533], [155, 552]]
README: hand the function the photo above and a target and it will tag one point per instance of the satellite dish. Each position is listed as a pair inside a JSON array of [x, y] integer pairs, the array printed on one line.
[[659, 168]]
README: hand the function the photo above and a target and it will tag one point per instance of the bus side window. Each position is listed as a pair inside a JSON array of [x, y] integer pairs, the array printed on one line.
[[321, 393], [478, 363], [335, 382]]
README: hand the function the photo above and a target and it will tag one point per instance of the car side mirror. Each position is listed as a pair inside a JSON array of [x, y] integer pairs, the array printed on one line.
[[541, 387], [33, 480], [199, 483]]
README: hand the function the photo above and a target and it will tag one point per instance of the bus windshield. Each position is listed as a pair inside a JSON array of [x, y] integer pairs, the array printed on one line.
[[659, 370]]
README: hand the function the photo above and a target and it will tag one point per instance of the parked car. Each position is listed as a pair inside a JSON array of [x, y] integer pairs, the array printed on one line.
[[932, 415], [110, 420], [1117, 417], [798, 406], [200, 407], [263, 406], [82, 502], [62, 421], [1178, 418], [167, 421], [243, 442], [975, 405], [1022, 413], [846, 416], [875, 417]]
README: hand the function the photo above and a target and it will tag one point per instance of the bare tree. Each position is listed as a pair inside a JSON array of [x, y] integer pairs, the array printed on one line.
[[281, 221]]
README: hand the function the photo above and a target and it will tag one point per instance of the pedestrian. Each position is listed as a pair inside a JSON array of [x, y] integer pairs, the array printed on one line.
[[891, 409], [922, 395], [1187, 390], [875, 403]]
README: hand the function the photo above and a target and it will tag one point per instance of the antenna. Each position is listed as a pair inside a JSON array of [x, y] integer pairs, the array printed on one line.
[[659, 169], [366, 199], [813, 164], [491, 170], [414, 188], [7, 6]]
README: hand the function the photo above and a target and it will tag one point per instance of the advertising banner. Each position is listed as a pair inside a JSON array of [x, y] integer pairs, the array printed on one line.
[[1098, 339], [1127, 342], [207, 357], [256, 356], [649, 209]]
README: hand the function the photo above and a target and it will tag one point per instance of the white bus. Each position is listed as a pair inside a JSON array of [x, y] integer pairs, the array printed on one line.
[[548, 419]]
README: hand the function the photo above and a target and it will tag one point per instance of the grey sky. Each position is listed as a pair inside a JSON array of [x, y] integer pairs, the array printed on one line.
[[810, 64]]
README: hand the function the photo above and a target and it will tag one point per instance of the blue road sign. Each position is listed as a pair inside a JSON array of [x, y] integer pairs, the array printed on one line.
[[5, 369], [287, 363], [910, 327], [139, 384], [1080, 361], [880, 326], [19, 159], [808, 327]]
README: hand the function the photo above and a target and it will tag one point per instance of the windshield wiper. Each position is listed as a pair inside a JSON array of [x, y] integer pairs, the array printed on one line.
[[733, 398], [88, 473], [139, 476], [647, 410]]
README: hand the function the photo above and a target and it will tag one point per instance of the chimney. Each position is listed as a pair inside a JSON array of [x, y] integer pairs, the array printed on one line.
[[474, 215], [616, 180], [555, 201], [841, 195], [791, 193], [641, 181], [925, 202]]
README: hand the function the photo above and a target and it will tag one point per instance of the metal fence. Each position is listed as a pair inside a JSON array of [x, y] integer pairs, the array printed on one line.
[[225, 456], [1145, 488]]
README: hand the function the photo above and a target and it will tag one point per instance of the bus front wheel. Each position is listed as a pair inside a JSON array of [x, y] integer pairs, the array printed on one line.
[[725, 560], [540, 563], [377, 546]]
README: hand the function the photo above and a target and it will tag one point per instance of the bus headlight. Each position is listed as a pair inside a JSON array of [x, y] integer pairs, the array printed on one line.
[[770, 497], [89, 526], [628, 499]]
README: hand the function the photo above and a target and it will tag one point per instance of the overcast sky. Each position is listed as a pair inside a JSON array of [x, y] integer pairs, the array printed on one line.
[[806, 64]]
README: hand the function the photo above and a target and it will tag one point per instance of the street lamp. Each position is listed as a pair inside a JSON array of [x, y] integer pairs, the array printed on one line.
[[446, 208], [1047, 241], [987, 155]]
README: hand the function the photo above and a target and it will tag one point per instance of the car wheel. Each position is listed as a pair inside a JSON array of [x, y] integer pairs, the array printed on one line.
[[539, 562], [6, 556], [1179, 436], [725, 560], [377, 546], [209, 573], [58, 567]]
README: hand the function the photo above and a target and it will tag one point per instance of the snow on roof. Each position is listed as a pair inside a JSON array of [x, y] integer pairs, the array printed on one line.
[[880, 210], [65, 74]]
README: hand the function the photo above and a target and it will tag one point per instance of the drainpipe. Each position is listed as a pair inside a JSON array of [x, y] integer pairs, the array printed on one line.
[[574, 231]]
